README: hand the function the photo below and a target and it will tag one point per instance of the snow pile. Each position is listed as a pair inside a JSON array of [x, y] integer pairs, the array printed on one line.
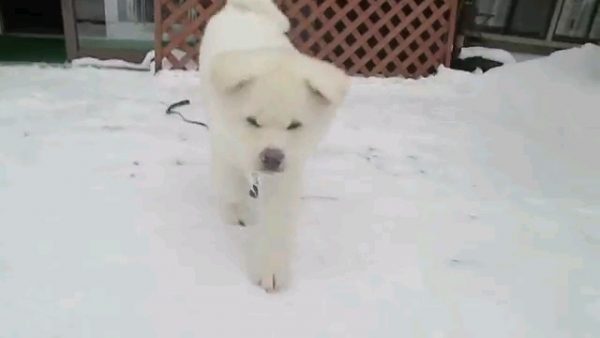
[[460, 205], [493, 54], [147, 63]]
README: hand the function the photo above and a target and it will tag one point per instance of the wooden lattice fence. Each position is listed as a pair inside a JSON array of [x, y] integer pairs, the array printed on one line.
[[365, 37]]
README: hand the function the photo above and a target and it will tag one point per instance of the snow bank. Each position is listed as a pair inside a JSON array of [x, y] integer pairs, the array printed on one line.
[[494, 54], [147, 63], [114, 63]]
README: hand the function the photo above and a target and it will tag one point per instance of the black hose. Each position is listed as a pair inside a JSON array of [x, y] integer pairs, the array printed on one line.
[[171, 111]]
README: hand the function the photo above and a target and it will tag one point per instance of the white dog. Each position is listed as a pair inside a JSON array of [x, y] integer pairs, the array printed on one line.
[[269, 106]]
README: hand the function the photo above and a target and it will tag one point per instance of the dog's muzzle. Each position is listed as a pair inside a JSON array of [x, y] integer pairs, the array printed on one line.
[[271, 159]]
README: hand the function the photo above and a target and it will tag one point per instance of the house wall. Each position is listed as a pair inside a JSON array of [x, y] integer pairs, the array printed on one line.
[[31, 16], [1, 22], [92, 10]]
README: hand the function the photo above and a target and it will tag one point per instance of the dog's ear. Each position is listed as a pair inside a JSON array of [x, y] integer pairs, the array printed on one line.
[[235, 70], [327, 83]]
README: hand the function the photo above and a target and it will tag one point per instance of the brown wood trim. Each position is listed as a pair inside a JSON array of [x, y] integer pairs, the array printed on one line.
[[451, 32], [158, 40], [70, 28]]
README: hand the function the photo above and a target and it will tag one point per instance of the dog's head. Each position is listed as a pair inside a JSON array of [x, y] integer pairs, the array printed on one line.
[[275, 105]]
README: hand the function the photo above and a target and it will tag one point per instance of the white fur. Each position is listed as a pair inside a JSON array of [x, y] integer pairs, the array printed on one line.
[[249, 68]]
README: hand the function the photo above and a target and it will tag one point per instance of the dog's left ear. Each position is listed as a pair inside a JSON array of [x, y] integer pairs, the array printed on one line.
[[327, 83]]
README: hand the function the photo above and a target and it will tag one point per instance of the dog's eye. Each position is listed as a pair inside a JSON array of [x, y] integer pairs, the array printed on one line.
[[294, 125], [252, 121]]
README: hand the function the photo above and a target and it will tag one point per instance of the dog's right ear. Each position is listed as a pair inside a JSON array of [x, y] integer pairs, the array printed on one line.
[[233, 71]]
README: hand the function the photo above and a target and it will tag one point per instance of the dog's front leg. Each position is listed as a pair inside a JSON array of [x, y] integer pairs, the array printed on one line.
[[231, 188], [273, 237]]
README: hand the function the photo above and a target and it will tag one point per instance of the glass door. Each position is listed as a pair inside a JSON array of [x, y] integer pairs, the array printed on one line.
[[578, 20], [493, 14], [595, 29], [112, 28]]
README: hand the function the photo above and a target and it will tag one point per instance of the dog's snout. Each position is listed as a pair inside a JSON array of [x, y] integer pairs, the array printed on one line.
[[271, 159]]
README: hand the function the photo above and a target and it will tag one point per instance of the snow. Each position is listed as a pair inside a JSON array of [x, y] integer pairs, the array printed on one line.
[[459, 205], [494, 54], [521, 57], [147, 63]]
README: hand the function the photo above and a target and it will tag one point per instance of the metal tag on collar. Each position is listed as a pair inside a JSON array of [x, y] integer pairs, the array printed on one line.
[[254, 184]]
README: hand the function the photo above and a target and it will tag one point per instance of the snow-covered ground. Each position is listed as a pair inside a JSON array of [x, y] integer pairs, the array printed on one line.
[[520, 57], [460, 205]]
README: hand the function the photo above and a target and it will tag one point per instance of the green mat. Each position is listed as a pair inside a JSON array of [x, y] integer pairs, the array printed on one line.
[[29, 49]]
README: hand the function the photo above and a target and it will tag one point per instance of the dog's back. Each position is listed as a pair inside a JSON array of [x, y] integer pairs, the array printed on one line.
[[265, 7]]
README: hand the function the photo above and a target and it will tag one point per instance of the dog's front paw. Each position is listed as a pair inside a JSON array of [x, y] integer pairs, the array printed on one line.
[[272, 282], [270, 277]]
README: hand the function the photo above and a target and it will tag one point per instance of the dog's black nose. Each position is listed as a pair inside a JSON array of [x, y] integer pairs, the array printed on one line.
[[271, 159]]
